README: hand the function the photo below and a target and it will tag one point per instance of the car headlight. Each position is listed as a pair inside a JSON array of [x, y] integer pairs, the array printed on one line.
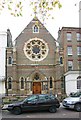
[[4, 106], [70, 102]]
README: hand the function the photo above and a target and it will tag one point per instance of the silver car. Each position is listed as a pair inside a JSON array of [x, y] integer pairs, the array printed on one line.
[[73, 102]]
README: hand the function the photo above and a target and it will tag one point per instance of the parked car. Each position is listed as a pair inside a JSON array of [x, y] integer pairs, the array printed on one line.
[[73, 101], [34, 102]]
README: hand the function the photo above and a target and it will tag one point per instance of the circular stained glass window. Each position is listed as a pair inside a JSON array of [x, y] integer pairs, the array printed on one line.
[[36, 49]]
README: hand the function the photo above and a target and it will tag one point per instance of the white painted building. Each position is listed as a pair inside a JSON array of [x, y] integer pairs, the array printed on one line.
[[80, 14], [72, 81], [3, 44], [5, 41]]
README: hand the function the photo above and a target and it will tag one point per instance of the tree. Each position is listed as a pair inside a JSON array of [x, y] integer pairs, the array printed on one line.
[[44, 7], [39, 7], [13, 6]]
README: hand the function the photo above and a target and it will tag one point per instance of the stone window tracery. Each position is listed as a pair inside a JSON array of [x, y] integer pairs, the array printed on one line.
[[36, 49]]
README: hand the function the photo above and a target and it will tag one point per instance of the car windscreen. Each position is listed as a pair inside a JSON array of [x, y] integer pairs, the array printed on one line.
[[31, 98], [77, 94]]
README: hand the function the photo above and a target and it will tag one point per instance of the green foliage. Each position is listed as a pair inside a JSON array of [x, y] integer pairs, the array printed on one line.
[[40, 7], [13, 6], [45, 7]]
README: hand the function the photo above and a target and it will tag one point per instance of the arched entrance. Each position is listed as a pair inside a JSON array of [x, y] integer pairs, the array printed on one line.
[[36, 87], [36, 84]]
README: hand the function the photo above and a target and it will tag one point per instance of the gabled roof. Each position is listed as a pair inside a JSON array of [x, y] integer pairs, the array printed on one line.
[[35, 19]]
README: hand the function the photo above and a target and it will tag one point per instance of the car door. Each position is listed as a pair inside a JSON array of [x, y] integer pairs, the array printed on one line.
[[30, 104], [43, 102]]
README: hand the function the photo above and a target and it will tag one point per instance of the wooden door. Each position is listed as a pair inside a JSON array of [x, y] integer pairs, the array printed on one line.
[[36, 88]]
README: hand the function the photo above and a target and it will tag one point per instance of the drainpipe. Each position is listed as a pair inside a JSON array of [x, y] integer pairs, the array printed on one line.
[[6, 87]]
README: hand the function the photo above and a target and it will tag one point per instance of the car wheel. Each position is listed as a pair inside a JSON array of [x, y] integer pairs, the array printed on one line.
[[52, 109], [78, 107], [16, 110]]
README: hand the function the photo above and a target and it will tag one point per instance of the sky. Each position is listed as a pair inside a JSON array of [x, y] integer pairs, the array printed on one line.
[[67, 16]]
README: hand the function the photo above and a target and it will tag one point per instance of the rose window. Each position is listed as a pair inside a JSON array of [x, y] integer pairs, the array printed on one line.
[[36, 49]]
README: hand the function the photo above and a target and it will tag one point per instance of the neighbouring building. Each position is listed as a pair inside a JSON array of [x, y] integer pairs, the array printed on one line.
[[80, 14], [4, 36], [3, 44], [69, 39]]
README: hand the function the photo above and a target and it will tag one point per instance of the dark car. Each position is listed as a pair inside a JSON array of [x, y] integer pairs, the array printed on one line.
[[34, 102]]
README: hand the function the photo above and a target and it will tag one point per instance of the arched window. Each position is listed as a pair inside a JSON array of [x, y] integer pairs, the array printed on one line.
[[22, 83], [9, 83], [35, 29], [10, 60], [36, 77], [61, 60], [51, 85], [79, 82], [79, 77]]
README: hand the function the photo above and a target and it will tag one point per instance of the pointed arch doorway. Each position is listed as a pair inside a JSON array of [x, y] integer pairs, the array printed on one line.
[[36, 87], [36, 84]]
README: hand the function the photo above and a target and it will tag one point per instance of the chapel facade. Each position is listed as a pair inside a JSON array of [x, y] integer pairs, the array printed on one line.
[[32, 64]]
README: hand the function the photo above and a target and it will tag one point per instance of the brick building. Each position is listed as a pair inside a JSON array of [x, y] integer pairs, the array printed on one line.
[[69, 39], [35, 64], [70, 48], [32, 64]]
